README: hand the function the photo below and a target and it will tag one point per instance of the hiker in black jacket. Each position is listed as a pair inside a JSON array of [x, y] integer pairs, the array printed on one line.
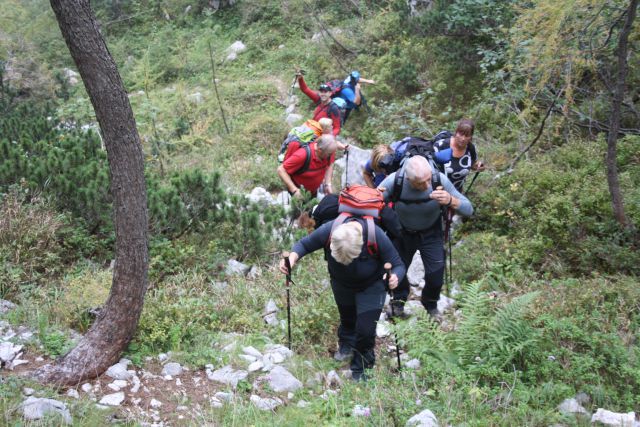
[[357, 284]]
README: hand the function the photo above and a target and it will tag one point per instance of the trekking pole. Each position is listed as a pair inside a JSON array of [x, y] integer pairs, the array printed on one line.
[[472, 181], [295, 80], [387, 269], [285, 255], [346, 167], [449, 221]]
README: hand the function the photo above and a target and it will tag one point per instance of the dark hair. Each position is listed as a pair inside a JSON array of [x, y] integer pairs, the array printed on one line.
[[465, 127]]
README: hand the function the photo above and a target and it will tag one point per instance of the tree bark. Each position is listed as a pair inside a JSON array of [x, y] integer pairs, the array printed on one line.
[[614, 123], [117, 322]]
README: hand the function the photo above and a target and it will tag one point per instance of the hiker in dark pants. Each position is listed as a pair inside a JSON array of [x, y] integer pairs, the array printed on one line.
[[419, 209], [357, 284]]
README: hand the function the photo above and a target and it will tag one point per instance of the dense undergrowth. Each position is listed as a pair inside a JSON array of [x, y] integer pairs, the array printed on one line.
[[549, 304]]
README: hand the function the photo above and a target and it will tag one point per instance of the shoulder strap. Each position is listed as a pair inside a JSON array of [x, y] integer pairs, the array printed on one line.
[[369, 224], [397, 186], [372, 244], [307, 159]]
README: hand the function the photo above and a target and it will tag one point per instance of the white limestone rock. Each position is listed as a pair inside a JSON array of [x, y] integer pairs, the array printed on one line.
[[35, 408], [614, 419], [413, 364], [361, 411], [235, 48], [261, 197], [172, 368], [9, 351], [293, 119], [236, 268], [281, 380], [114, 399], [118, 372], [227, 375], [425, 418], [265, 404], [6, 306], [571, 406], [252, 351]]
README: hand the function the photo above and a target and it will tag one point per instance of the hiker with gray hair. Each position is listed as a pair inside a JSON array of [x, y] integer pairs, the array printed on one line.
[[357, 281], [309, 166], [420, 193]]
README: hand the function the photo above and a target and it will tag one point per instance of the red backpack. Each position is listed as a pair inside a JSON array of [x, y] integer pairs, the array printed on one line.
[[363, 202]]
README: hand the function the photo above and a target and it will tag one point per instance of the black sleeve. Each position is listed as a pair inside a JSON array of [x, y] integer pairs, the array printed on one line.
[[314, 241], [472, 152]]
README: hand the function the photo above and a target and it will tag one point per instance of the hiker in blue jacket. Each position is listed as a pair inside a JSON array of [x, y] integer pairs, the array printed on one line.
[[357, 284]]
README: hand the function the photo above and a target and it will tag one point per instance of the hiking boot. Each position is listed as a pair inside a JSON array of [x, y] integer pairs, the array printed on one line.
[[359, 377], [344, 353], [398, 310], [435, 314]]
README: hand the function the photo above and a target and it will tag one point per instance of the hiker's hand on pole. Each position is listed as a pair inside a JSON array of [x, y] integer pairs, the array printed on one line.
[[441, 196], [293, 258], [393, 280], [478, 166]]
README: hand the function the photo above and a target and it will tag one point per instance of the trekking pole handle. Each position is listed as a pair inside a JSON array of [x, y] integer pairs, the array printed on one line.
[[387, 270], [287, 263]]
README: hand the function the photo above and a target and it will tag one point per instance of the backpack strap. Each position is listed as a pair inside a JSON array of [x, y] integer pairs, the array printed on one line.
[[371, 243], [397, 186], [307, 160]]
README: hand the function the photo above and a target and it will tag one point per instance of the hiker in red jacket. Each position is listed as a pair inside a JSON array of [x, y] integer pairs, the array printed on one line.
[[324, 105]]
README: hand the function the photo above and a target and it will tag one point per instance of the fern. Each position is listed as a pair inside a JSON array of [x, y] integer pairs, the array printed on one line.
[[469, 339]]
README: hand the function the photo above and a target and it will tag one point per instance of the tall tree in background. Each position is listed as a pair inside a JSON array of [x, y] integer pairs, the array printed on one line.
[[614, 123], [117, 322]]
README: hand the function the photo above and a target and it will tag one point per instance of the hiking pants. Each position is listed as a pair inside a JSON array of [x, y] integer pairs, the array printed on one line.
[[359, 313], [430, 244]]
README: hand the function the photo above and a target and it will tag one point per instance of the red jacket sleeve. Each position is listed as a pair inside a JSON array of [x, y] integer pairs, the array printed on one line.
[[305, 89], [336, 124]]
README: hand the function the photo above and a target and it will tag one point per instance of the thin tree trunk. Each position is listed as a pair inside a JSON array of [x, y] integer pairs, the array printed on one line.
[[117, 322], [614, 123]]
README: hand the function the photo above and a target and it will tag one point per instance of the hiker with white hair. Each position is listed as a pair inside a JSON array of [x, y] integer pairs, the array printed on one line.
[[421, 196], [358, 283]]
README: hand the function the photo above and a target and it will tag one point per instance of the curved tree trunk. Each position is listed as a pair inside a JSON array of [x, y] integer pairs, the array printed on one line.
[[116, 324], [614, 123]]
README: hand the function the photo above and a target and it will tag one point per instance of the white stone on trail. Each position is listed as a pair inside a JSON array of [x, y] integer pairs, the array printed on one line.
[[361, 411], [9, 351], [86, 387], [227, 375], [236, 268], [357, 157], [73, 393], [255, 366], [252, 351], [382, 329], [293, 119], [35, 408], [16, 362], [265, 404], [290, 109], [278, 348], [27, 391], [425, 418], [283, 199], [413, 307], [215, 403], [114, 399], [273, 358], [235, 48], [248, 358], [445, 303], [415, 273], [118, 372], [224, 396], [413, 364], [155, 404], [261, 196], [614, 418], [136, 384], [281, 380], [6, 306], [302, 404], [162, 357], [333, 379], [254, 272], [270, 313], [571, 406], [172, 368]]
